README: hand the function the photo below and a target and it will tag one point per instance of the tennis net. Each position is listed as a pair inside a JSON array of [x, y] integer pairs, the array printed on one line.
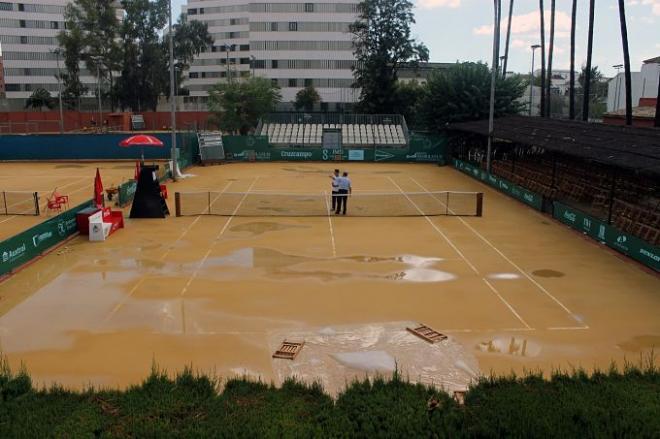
[[359, 204], [19, 203]]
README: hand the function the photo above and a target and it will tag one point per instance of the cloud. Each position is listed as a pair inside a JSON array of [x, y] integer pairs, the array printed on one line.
[[530, 23], [432, 4], [655, 5]]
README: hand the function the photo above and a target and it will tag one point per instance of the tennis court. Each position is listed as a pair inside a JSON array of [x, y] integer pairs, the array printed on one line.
[[21, 180], [513, 289]]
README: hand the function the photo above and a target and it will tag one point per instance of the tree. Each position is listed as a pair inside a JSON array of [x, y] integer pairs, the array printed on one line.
[[542, 16], [71, 47], [408, 96], [551, 49], [306, 98], [190, 39], [597, 87], [571, 98], [40, 98], [94, 26], [237, 106], [626, 62], [590, 44], [508, 36], [462, 93], [382, 43]]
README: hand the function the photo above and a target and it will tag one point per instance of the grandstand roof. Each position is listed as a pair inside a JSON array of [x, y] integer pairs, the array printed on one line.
[[628, 147]]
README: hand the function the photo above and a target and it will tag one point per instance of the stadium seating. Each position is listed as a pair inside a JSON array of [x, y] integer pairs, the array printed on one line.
[[636, 203], [353, 134]]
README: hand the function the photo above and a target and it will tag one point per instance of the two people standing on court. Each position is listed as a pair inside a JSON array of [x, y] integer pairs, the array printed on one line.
[[341, 189]]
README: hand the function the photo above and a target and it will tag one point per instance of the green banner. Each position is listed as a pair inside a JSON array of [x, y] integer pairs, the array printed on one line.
[[599, 230], [427, 148], [126, 192], [518, 192], [22, 248]]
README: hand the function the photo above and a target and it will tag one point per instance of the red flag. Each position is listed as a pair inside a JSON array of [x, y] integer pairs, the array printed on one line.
[[137, 170], [98, 189]]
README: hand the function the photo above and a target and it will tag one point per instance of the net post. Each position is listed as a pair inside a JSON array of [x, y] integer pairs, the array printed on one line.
[[4, 197], [36, 203], [177, 203], [208, 201], [480, 203]]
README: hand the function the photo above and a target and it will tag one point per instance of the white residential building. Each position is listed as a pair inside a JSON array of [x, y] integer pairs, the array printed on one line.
[[294, 43], [28, 31], [644, 85]]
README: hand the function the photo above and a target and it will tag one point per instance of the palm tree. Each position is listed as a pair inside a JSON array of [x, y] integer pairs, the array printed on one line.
[[548, 111], [508, 35], [587, 82], [626, 62], [542, 58], [40, 98], [571, 104]]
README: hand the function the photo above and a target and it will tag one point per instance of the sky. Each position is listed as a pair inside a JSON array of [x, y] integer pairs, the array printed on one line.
[[461, 30]]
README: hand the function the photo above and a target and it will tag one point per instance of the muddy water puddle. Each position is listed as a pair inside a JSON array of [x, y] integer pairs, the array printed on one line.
[[548, 273]]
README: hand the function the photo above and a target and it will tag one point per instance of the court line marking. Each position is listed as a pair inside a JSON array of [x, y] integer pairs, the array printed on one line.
[[162, 257], [513, 264], [332, 231], [222, 231], [508, 305]]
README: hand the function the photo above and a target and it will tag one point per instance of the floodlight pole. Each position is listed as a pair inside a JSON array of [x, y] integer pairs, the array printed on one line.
[[493, 79], [531, 80], [175, 165]]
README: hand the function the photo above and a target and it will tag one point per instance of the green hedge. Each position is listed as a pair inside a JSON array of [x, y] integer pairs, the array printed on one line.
[[612, 404]]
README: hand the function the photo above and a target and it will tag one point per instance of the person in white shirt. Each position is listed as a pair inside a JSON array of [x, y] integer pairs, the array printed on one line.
[[345, 189], [335, 188]]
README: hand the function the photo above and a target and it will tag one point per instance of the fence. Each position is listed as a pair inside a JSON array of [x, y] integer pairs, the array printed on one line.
[[35, 241], [599, 230], [423, 148]]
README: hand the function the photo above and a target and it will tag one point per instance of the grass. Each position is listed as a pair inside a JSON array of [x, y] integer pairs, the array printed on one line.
[[616, 403]]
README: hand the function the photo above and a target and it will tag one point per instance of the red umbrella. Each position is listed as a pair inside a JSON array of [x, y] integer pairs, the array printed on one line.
[[141, 140], [98, 189]]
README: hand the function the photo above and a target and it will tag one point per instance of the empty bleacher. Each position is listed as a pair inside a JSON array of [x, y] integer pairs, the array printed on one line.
[[635, 200], [357, 130]]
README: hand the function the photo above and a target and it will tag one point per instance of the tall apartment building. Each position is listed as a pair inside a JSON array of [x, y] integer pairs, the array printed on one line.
[[28, 30], [294, 43], [2, 76]]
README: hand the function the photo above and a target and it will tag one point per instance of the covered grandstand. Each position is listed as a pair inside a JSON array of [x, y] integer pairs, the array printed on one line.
[[357, 130], [612, 173]]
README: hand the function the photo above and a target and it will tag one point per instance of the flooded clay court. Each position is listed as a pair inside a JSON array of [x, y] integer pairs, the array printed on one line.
[[513, 290]]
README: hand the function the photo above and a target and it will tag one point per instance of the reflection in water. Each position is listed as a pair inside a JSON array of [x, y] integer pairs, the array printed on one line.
[[282, 266], [520, 347]]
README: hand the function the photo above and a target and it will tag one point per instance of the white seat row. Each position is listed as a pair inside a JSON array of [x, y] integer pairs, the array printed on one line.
[[352, 134]]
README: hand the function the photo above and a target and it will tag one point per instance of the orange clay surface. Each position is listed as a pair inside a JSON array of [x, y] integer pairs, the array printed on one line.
[[513, 289], [75, 179]]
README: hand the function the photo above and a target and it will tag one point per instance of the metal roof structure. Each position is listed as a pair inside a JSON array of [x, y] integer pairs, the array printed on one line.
[[632, 148]]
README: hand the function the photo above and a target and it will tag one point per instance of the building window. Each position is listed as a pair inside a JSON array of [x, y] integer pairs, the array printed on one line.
[[309, 7], [324, 106], [12, 87], [234, 21], [21, 23], [233, 35], [192, 11], [193, 75], [293, 26], [24, 39], [201, 10], [54, 25], [273, 64], [21, 7], [308, 82], [292, 83], [273, 26], [6, 6], [203, 74], [244, 47]]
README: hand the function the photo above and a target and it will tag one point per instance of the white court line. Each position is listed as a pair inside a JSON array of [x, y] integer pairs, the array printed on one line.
[[332, 231], [532, 280], [162, 257], [208, 252], [508, 305]]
